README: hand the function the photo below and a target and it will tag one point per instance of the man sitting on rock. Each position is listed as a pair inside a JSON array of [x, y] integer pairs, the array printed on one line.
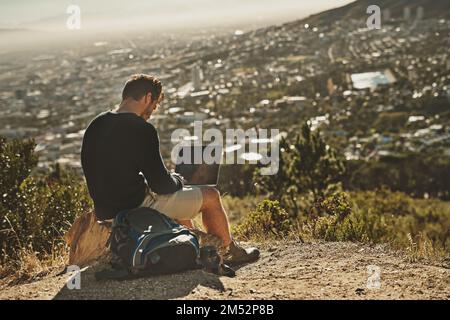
[[124, 169]]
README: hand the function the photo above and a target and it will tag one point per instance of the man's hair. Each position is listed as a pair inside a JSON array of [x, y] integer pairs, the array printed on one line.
[[140, 84]]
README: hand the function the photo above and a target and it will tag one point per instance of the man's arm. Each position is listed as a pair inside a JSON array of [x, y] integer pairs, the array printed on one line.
[[150, 162]]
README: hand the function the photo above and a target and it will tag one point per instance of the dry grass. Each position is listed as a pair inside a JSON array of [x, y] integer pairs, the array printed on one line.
[[30, 265], [422, 248]]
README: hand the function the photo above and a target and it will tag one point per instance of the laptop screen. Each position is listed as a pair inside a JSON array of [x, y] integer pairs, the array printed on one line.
[[199, 165]]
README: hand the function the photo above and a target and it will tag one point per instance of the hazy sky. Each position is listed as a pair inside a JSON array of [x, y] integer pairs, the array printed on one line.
[[95, 14]]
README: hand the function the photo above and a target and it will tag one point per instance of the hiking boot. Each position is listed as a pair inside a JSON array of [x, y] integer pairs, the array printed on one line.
[[235, 254]]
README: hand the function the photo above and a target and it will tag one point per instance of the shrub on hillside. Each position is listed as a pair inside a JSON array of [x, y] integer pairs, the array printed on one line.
[[35, 210], [308, 166], [269, 220], [420, 226]]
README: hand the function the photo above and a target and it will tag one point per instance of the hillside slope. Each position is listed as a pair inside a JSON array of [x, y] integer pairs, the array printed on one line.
[[286, 270], [357, 10]]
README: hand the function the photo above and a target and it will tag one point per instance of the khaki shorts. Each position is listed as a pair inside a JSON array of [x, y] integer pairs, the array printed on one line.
[[181, 205]]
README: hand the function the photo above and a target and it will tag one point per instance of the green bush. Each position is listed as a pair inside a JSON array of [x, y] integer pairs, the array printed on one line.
[[338, 204], [269, 220], [35, 210], [420, 226], [17, 159], [330, 219], [308, 166], [237, 207]]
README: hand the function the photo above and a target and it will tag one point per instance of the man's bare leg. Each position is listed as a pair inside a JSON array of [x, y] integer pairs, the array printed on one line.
[[215, 221], [214, 217]]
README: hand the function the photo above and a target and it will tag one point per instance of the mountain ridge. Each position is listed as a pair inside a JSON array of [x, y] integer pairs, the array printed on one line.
[[357, 10]]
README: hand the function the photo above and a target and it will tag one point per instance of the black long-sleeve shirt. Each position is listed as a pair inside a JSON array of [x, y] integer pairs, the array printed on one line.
[[117, 148]]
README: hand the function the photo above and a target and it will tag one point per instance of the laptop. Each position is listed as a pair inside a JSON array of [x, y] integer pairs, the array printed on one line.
[[200, 173]]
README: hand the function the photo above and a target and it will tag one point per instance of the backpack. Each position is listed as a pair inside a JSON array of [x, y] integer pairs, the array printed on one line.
[[146, 242]]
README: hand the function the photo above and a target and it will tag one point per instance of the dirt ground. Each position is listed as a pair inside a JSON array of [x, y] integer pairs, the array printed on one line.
[[286, 270]]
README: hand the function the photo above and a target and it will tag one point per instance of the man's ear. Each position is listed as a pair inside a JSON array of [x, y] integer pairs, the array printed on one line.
[[148, 97]]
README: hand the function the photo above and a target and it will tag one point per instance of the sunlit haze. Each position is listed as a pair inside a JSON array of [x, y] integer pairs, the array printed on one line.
[[159, 14]]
